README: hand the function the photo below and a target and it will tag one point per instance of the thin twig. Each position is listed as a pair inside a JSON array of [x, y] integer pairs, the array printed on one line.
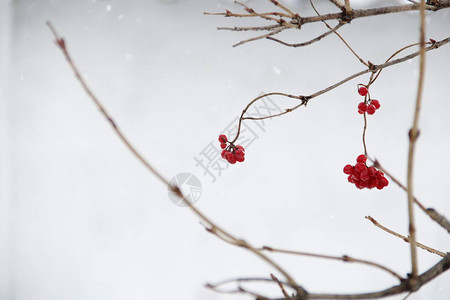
[[404, 238], [338, 4], [431, 212], [391, 57], [238, 290], [218, 230], [231, 14], [260, 28], [253, 101], [404, 286], [348, 14], [253, 12], [348, 11], [365, 117], [283, 7], [273, 32], [280, 285], [344, 258], [360, 13], [339, 25], [412, 142], [348, 8], [305, 99]]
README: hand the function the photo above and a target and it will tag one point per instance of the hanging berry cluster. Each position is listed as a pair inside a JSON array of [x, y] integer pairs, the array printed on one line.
[[368, 105], [360, 174], [365, 177], [230, 152]]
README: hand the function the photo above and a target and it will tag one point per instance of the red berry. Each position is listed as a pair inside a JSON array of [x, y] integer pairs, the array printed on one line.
[[379, 174], [363, 90], [371, 109], [223, 145], [384, 181], [240, 152], [223, 153], [350, 178], [362, 107], [223, 138], [348, 169], [372, 183], [363, 184], [360, 167], [240, 147], [372, 172], [232, 159], [375, 103], [228, 155], [240, 158], [365, 175], [361, 158]]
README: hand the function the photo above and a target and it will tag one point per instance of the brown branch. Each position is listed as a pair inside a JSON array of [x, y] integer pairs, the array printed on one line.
[[348, 8], [347, 11], [305, 99], [251, 11], [404, 238], [360, 13], [338, 4], [238, 290], [440, 219], [405, 286], [339, 25], [431, 212], [218, 230], [260, 28], [347, 14], [412, 142], [280, 285], [283, 7], [274, 32], [344, 258]]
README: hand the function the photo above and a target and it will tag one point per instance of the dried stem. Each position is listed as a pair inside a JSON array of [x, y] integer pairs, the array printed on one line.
[[412, 143], [274, 32], [391, 57], [360, 13], [344, 258], [348, 14], [431, 212], [348, 8], [338, 4], [316, 39], [404, 286], [305, 99], [280, 285], [339, 36], [404, 238], [217, 230], [283, 7], [259, 28]]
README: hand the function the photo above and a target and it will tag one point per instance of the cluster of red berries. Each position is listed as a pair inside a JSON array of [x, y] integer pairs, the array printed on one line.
[[230, 152], [367, 107], [363, 176]]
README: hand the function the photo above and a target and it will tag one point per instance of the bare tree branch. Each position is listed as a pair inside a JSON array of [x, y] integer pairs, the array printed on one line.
[[412, 142], [404, 238], [218, 230], [344, 258], [310, 41]]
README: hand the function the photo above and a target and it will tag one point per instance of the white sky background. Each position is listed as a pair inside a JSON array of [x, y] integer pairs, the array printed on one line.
[[81, 218]]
